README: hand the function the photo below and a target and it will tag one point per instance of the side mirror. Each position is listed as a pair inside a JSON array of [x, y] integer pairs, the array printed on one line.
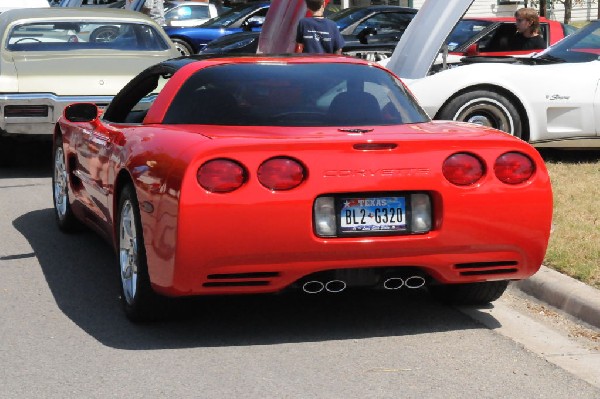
[[81, 112], [472, 50], [364, 34]]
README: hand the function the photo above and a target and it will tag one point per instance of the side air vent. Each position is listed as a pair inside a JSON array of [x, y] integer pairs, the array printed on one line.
[[255, 283], [255, 279], [487, 268], [242, 275]]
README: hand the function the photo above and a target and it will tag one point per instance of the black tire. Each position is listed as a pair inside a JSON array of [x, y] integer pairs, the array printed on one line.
[[183, 47], [139, 301], [469, 294], [104, 34], [485, 108], [65, 219]]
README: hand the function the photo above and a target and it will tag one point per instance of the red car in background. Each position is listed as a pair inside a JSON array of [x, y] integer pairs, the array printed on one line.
[[490, 37], [258, 174]]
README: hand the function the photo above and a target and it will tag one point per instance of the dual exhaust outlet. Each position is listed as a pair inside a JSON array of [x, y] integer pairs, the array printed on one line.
[[335, 286]]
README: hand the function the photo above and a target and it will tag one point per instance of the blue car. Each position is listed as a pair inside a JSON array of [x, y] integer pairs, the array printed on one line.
[[190, 40]]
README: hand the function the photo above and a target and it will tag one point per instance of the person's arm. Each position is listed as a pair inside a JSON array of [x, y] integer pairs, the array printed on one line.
[[339, 40], [299, 38]]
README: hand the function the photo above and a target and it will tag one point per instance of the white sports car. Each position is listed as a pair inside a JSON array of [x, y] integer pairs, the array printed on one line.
[[551, 99]]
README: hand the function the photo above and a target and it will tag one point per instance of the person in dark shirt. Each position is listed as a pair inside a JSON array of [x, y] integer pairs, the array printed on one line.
[[318, 34], [528, 31]]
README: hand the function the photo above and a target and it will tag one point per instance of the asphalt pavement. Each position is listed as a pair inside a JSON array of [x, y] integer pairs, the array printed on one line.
[[565, 293]]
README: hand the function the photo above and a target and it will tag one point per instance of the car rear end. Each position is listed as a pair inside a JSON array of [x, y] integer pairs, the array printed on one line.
[[262, 216], [325, 169]]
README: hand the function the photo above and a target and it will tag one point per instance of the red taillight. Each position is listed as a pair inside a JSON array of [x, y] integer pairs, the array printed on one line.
[[281, 173], [514, 168], [221, 176], [462, 169]]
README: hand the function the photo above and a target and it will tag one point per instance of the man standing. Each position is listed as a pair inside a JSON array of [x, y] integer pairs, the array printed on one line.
[[317, 34]]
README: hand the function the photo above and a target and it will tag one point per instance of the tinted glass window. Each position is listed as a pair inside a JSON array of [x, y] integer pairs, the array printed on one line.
[[187, 12], [231, 16], [347, 17], [581, 46], [64, 36], [386, 23], [464, 30], [293, 95]]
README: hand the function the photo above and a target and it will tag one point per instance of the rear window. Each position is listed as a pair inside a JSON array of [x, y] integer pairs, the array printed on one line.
[[277, 94], [64, 36]]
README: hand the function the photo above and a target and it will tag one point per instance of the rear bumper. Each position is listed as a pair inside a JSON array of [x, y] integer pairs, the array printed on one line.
[[39, 112], [445, 267]]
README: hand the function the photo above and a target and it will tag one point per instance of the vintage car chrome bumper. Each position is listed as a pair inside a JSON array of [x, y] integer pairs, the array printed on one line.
[[37, 113]]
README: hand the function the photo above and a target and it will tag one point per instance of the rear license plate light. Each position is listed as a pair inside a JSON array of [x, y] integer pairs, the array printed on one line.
[[372, 214]]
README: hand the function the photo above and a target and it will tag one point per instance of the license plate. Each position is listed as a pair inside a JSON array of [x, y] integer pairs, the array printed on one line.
[[374, 214]]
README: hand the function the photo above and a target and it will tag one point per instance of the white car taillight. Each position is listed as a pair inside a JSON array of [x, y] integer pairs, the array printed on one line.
[[324, 214], [421, 213]]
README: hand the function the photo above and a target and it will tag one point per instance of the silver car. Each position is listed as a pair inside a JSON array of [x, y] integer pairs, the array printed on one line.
[[56, 56]]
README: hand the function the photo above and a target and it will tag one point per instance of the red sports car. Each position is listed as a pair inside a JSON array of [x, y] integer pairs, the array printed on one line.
[[256, 174], [491, 36]]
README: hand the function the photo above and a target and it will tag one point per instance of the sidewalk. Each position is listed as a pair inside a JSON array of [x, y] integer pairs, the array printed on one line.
[[565, 293]]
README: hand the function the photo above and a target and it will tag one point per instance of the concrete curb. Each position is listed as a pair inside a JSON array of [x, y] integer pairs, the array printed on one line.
[[565, 293]]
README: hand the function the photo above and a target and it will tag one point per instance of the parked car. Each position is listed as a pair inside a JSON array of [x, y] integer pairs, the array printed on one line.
[[55, 56], [256, 174], [549, 99], [366, 30], [373, 25], [188, 13], [190, 40], [491, 36], [481, 36]]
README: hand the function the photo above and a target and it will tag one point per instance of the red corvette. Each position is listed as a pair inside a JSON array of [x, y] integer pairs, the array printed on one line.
[[258, 174]]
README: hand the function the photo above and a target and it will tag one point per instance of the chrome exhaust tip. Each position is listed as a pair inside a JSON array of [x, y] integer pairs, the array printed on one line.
[[414, 282], [313, 287], [335, 286], [393, 283]]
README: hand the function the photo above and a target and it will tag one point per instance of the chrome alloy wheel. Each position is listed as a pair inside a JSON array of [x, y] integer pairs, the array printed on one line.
[[128, 252], [60, 183]]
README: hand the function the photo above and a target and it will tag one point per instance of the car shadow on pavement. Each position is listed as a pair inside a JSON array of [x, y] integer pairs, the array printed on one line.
[[81, 272]]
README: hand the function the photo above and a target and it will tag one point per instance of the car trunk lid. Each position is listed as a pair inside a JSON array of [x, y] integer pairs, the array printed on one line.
[[103, 73]]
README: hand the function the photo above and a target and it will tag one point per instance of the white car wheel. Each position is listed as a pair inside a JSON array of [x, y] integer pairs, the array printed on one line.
[[484, 108]]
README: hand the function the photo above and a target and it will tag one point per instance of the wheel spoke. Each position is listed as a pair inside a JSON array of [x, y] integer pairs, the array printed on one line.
[[128, 255], [60, 182]]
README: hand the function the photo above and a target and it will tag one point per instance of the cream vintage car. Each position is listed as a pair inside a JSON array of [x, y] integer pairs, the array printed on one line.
[[56, 56]]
